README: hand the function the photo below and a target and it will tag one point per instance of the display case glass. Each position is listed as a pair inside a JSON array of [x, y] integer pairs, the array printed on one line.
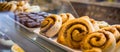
[[31, 40]]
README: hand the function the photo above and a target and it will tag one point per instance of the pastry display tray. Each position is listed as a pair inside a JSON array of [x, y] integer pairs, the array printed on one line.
[[29, 38], [20, 36], [54, 41]]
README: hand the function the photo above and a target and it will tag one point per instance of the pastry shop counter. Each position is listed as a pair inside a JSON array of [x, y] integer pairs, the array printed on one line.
[[24, 37], [62, 30]]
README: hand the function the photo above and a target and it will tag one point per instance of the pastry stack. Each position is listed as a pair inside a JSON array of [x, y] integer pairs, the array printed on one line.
[[18, 6], [82, 33]]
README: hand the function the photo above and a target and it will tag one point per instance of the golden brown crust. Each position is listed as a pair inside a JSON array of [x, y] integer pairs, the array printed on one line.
[[101, 39], [66, 17], [73, 31], [13, 7]]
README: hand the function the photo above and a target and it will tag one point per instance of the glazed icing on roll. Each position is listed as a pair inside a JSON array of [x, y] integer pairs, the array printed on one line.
[[73, 31], [101, 39], [96, 26], [51, 25], [114, 31], [102, 24], [66, 17]]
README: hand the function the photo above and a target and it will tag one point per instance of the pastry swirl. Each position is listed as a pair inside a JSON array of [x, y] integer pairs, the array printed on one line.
[[101, 39], [66, 17], [73, 31], [51, 25], [113, 30], [117, 48], [117, 27]]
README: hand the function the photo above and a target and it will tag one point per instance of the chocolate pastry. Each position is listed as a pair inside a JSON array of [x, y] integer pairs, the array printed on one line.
[[31, 20]]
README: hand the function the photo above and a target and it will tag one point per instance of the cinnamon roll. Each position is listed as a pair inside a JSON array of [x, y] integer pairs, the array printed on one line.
[[66, 17], [104, 40], [113, 30], [73, 31], [51, 25]]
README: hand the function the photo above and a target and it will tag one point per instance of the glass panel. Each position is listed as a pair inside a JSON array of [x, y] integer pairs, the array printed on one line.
[[25, 37]]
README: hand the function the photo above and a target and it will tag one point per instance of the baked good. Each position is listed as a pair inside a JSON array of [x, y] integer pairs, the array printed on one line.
[[117, 27], [33, 9], [16, 48], [5, 6], [18, 7], [93, 50], [117, 48], [32, 19], [66, 17], [73, 31], [95, 24], [51, 25], [13, 7], [113, 30], [101, 39], [102, 24]]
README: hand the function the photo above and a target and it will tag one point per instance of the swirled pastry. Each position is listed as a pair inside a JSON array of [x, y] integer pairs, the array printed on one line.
[[117, 27], [73, 31], [113, 30], [66, 17], [51, 25], [117, 48], [101, 39]]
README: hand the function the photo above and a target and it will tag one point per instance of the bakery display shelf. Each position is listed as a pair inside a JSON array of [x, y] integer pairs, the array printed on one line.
[[26, 38], [32, 41], [19, 37]]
